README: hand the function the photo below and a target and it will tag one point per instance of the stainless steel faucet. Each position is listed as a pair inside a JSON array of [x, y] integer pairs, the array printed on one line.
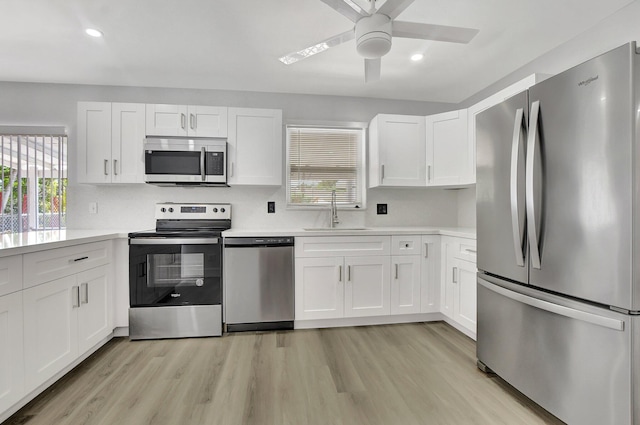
[[334, 210]]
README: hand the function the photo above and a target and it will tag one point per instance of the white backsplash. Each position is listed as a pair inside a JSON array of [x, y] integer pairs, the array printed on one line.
[[131, 207]]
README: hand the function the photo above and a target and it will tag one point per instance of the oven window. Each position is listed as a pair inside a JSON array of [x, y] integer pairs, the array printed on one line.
[[177, 269], [172, 162]]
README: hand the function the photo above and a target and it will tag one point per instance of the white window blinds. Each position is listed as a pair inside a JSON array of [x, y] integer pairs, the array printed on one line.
[[322, 160]]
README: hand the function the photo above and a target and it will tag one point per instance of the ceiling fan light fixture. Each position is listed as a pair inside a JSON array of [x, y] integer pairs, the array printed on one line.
[[373, 36], [417, 57]]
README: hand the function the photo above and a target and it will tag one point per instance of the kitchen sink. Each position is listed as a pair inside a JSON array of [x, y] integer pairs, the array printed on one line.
[[334, 229]]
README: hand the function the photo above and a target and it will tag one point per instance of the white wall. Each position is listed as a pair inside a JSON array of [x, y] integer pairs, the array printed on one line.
[[130, 207]]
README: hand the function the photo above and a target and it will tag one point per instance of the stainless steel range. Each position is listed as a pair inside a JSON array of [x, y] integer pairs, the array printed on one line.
[[175, 272]]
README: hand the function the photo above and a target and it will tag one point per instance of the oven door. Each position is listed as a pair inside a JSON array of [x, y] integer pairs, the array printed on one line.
[[172, 272]]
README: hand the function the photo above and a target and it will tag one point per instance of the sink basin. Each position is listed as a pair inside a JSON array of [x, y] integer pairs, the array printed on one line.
[[335, 229]]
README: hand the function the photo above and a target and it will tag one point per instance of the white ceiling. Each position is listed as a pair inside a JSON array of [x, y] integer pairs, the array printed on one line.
[[235, 44]]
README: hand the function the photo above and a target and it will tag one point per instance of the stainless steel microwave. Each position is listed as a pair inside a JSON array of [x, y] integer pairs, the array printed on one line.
[[180, 161]]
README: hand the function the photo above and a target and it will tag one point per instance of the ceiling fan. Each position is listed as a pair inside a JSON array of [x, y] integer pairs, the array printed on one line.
[[373, 31]]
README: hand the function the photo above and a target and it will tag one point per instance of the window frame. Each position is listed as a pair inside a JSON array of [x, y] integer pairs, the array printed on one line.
[[361, 178]]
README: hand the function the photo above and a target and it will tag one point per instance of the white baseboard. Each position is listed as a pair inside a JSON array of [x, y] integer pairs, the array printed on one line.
[[365, 321]]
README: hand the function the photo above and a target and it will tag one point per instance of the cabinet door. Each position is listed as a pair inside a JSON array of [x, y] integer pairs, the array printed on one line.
[[127, 137], [466, 289], [401, 151], [449, 160], [11, 350], [94, 314], [319, 288], [207, 121], [448, 294], [50, 329], [405, 284], [367, 286], [430, 272], [255, 146], [94, 142], [166, 120]]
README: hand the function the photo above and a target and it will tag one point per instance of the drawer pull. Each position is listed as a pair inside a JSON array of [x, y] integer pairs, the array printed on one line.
[[426, 250], [78, 259], [473, 251], [455, 275], [339, 273], [396, 270]]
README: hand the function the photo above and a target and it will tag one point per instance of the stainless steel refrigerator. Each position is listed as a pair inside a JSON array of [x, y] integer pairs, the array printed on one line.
[[558, 215]]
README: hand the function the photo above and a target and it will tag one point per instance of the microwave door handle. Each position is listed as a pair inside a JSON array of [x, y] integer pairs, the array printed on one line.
[[202, 164]]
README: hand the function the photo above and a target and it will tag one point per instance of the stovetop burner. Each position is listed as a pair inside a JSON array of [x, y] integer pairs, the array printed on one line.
[[188, 220]]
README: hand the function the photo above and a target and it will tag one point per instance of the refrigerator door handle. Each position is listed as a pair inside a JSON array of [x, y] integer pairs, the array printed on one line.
[[532, 231], [561, 310], [518, 127]]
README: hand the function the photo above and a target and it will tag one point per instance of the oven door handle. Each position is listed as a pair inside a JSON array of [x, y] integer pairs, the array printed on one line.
[[174, 241]]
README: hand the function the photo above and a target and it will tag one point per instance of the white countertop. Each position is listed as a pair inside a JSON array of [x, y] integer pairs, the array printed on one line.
[[21, 243], [463, 232]]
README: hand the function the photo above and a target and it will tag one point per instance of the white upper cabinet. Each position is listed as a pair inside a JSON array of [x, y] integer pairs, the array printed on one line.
[[450, 158], [186, 120], [127, 137], [397, 151], [255, 147], [110, 138]]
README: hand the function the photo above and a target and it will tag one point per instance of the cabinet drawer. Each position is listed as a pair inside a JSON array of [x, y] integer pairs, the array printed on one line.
[[10, 274], [348, 246], [406, 245], [44, 266], [462, 248]]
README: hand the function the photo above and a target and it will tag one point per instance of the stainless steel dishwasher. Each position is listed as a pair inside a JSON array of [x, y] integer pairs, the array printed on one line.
[[258, 283]]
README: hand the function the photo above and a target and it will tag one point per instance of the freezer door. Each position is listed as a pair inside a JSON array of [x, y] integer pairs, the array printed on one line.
[[573, 359], [579, 180], [500, 188]]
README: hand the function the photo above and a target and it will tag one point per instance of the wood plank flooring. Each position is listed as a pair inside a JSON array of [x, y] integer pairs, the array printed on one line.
[[419, 373]]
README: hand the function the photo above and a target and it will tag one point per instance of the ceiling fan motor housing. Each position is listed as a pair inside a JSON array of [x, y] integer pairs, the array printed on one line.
[[373, 36]]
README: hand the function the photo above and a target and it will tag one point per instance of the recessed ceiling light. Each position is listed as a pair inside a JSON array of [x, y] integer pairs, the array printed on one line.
[[93, 32], [417, 57]]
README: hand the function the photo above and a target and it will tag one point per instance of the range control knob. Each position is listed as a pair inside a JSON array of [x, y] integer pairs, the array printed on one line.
[[221, 209], [170, 210], [163, 209], [215, 210]]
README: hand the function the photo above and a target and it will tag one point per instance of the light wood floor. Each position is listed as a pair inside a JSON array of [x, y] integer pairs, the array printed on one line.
[[396, 374]]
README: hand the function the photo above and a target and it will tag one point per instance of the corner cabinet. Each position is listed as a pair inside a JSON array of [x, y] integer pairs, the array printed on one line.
[[186, 120], [397, 151], [450, 156], [254, 147], [459, 288], [110, 139]]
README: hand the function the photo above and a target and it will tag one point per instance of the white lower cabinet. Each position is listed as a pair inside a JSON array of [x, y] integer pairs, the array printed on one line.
[[319, 288], [430, 274], [366, 290], [336, 287], [62, 320], [405, 284], [11, 350], [458, 301]]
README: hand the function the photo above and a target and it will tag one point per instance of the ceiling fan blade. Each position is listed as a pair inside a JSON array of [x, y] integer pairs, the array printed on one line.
[[347, 8], [433, 32], [294, 57], [372, 70], [392, 8]]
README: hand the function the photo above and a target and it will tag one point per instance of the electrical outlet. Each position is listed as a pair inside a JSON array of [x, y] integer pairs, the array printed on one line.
[[271, 207], [93, 208], [382, 209]]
